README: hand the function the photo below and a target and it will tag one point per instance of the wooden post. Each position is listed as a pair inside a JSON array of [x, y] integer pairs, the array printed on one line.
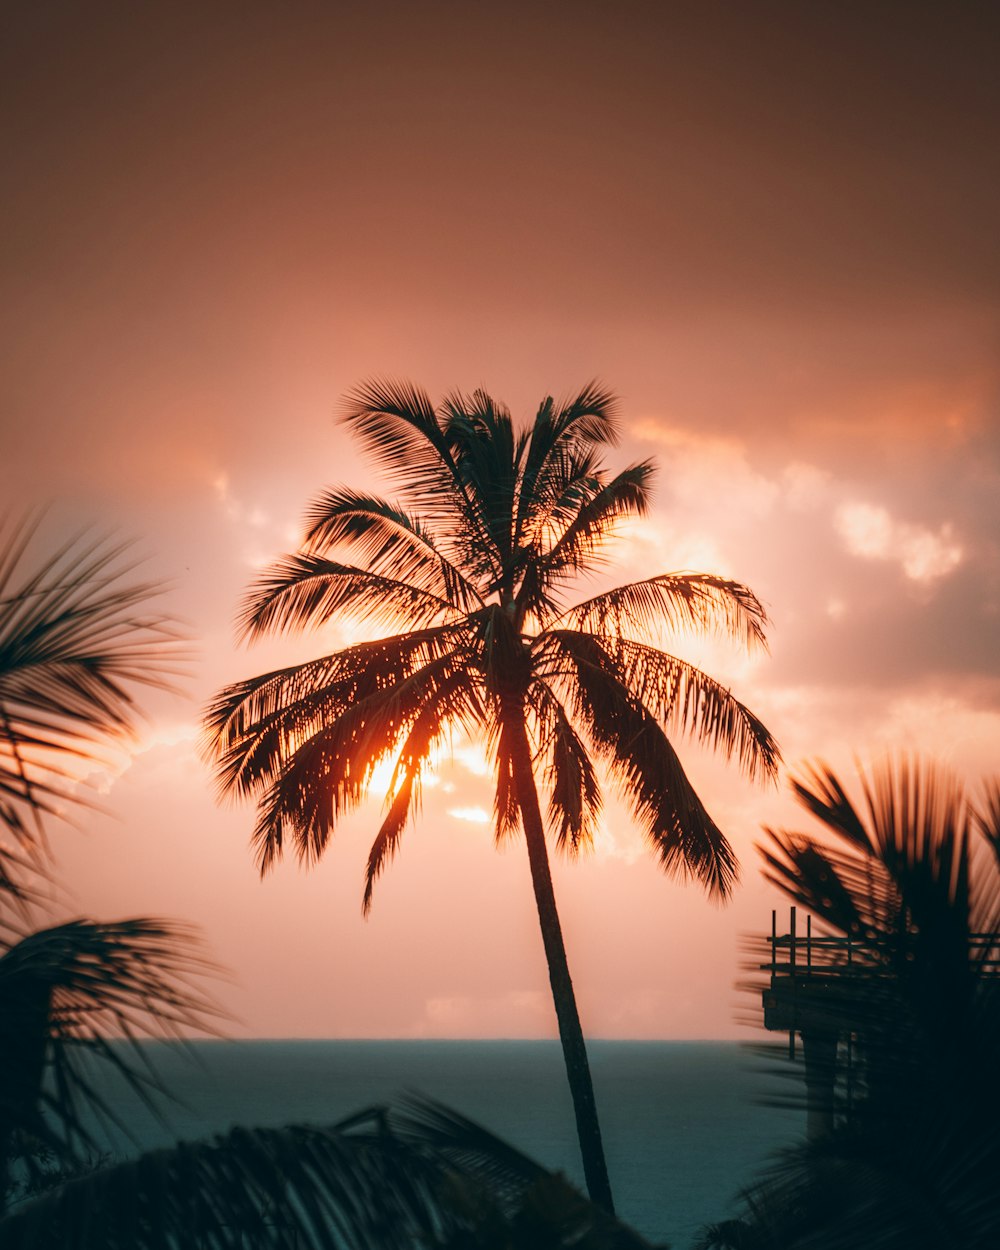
[[820, 1051], [791, 970]]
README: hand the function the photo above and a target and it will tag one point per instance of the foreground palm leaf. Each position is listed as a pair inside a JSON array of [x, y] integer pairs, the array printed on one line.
[[76, 637], [426, 1179], [469, 567], [80, 992]]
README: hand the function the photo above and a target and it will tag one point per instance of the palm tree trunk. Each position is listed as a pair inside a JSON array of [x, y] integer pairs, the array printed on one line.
[[570, 1032]]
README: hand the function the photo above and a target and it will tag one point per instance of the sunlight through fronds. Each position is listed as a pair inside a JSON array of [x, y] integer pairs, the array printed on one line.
[[491, 526]]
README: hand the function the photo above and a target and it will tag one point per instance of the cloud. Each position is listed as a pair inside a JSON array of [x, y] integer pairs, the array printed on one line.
[[474, 815], [616, 838], [869, 531], [946, 726], [517, 1013], [805, 486]]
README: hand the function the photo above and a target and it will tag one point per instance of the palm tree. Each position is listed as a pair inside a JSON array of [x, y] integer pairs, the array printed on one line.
[[471, 566], [909, 873], [77, 636]]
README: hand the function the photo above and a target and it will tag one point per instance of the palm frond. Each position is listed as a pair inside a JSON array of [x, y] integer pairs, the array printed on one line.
[[821, 792], [305, 590], [569, 777], [693, 601], [503, 1170], [573, 476], [24, 880], [307, 779], [390, 542], [453, 699], [315, 1188], [921, 818], [685, 838], [560, 456], [380, 1180], [318, 780], [687, 699], [505, 805], [845, 893], [77, 636], [399, 427], [589, 416], [82, 991], [252, 725], [248, 707], [587, 419], [487, 454], [538, 1208], [386, 843], [915, 824], [987, 816], [581, 520]]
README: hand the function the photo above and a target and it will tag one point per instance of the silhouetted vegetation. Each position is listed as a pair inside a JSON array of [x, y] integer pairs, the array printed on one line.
[[473, 563], [912, 879], [77, 635], [419, 1177]]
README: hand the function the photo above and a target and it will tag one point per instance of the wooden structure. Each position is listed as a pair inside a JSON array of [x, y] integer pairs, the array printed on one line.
[[824, 989], [815, 990]]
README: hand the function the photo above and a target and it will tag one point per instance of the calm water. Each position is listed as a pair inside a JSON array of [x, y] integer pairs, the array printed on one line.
[[682, 1125]]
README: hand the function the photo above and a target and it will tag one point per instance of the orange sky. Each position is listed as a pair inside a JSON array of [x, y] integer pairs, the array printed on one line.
[[771, 228]]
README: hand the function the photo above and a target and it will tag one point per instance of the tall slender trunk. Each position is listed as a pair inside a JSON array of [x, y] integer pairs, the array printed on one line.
[[570, 1033]]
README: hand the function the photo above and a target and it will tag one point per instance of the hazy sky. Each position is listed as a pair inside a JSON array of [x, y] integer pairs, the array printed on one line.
[[770, 228]]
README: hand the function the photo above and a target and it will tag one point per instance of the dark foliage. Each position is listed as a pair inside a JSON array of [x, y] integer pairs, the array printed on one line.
[[470, 566], [912, 879]]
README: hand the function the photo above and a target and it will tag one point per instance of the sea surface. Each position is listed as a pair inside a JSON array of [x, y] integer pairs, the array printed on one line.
[[683, 1123]]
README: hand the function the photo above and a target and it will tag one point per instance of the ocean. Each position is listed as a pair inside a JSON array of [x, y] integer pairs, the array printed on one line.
[[684, 1129]]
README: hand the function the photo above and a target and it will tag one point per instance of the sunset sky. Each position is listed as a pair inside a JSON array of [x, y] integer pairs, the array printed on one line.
[[771, 228]]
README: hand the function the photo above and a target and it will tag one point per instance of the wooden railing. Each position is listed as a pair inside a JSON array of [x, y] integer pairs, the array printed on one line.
[[816, 979], [797, 954]]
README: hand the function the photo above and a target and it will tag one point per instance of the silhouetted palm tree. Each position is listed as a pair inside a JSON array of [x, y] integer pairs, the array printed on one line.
[[76, 636], [472, 564], [912, 879]]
